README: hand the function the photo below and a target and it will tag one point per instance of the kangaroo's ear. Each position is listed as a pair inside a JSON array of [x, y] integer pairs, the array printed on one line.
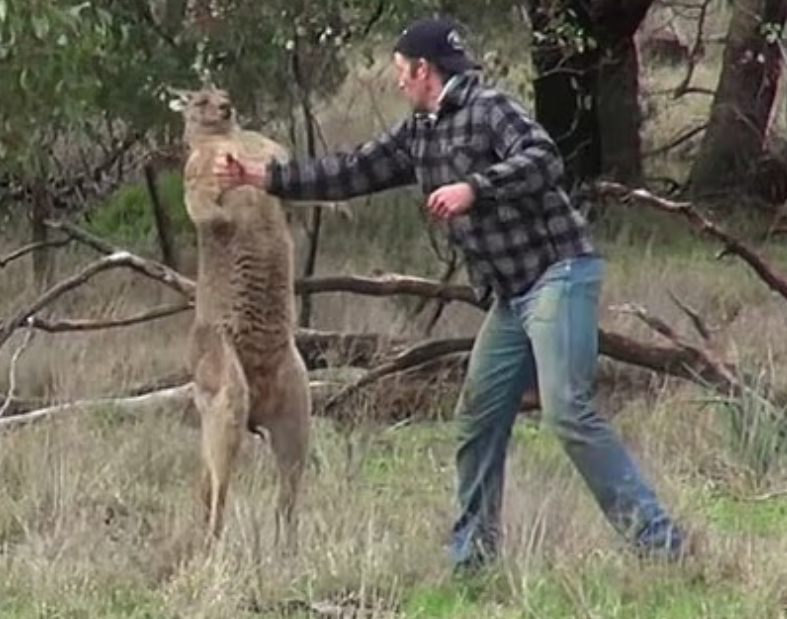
[[178, 98]]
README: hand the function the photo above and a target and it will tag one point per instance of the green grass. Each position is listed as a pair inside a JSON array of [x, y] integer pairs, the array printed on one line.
[[766, 517], [377, 540], [126, 217], [601, 590], [122, 602]]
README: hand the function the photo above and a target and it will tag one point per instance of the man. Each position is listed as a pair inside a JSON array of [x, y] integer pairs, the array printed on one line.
[[495, 177]]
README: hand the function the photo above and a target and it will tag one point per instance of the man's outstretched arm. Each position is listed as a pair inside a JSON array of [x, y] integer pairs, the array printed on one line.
[[382, 163]]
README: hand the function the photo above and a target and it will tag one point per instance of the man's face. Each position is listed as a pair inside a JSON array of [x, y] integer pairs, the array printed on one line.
[[414, 79]]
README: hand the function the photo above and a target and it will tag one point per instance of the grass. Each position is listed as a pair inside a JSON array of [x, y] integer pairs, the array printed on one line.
[[127, 215], [98, 512], [99, 521]]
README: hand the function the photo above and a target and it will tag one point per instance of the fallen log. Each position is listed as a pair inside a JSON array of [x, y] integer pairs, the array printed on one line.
[[423, 367], [170, 398], [323, 350], [356, 349], [177, 399]]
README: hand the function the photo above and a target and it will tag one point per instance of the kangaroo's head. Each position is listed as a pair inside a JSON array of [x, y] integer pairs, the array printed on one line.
[[208, 111]]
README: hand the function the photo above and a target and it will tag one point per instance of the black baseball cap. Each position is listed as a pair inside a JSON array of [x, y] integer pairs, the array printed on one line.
[[437, 40]]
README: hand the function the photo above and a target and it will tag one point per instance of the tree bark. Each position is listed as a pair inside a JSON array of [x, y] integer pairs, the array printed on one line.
[[564, 90], [43, 257], [741, 108], [303, 88], [164, 230], [589, 100], [619, 115]]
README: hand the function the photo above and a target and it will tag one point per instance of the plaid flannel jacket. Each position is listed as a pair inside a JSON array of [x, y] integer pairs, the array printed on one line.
[[522, 219]]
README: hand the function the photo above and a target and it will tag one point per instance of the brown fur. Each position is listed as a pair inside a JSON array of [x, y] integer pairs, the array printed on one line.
[[247, 372]]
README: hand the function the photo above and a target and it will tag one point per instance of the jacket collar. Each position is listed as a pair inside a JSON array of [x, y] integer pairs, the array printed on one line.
[[455, 94], [457, 90]]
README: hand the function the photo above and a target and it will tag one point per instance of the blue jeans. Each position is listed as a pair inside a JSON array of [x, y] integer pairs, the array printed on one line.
[[547, 337]]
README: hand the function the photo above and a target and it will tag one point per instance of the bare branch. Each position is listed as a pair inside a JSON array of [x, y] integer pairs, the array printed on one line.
[[9, 398], [721, 375], [179, 396], [143, 11], [175, 392], [387, 285], [70, 325], [691, 90], [150, 268], [64, 190], [412, 357], [451, 268], [767, 273], [677, 141], [119, 259], [694, 55], [160, 273], [22, 315], [164, 231], [376, 15], [83, 236], [30, 248], [333, 348], [694, 316]]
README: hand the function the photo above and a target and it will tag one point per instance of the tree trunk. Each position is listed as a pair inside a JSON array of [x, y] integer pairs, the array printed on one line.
[[741, 108], [565, 94], [313, 232], [43, 257], [588, 100], [619, 116]]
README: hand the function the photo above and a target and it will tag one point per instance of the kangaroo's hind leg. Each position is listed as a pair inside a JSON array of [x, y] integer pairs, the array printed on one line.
[[221, 397], [290, 429]]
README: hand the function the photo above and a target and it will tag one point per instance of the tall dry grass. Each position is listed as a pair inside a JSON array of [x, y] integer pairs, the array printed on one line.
[[98, 514]]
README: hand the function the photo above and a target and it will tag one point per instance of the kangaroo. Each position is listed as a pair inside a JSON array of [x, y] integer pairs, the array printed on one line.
[[247, 372]]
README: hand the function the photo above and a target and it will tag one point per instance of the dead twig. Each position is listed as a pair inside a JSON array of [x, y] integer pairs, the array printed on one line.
[[776, 281], [83, 236], [694, 54], [412, 357], [768, 496], [696, 320], [70, 325], [722, 375], [170, 398], [112, 261], [451, 268], [387, 285], [677, 141], [30, 248], [12, 372], [150, 268]]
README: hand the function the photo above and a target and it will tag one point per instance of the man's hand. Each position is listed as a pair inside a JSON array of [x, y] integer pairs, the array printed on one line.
[[450, 200], [231, 172]]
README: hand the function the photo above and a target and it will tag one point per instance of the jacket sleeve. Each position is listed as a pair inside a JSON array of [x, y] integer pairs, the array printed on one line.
[[376, 165], [529, 161]]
